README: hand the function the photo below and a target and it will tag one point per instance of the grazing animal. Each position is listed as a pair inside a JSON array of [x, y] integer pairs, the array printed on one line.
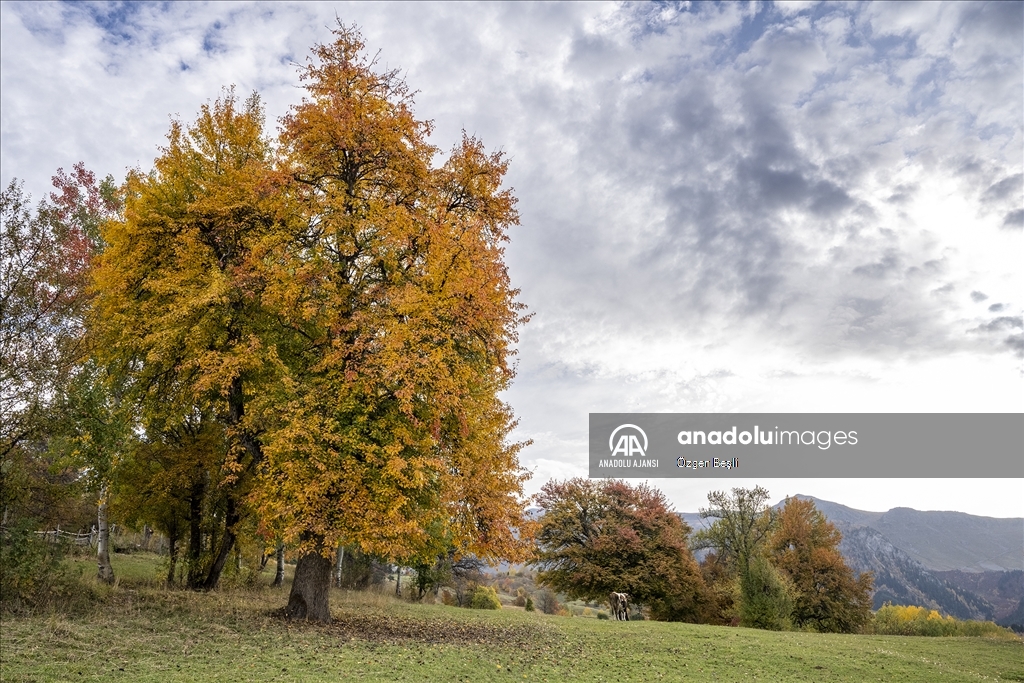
[[620, 606]]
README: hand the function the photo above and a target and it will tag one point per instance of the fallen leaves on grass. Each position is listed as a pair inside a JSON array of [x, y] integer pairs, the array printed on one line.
[[379, 627]]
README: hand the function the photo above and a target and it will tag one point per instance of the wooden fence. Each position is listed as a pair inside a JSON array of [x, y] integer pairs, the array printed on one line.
[[119, 538]]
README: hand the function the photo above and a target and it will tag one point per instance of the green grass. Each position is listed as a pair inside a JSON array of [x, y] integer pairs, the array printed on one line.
[[137, 631]]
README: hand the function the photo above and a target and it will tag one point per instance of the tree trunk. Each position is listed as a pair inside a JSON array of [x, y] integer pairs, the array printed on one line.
[[105, 572], [337, 566], [279, 577], [172, 541], [310, 589], [236, 410], [398, 581], [195, 533], [227, 543]]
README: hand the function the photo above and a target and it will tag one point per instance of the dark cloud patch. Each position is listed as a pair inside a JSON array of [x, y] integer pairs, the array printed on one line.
[[995, 20], [1003, 322], [776, 188], [593, 54], [1016, 344], [902, 194], [978, 297], [1014, 220], [889, 264], [828, 199], [867, 312], [995, 308], [1010, 186]]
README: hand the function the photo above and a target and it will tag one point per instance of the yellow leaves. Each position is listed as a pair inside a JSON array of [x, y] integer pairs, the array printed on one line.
[[339, 304], [908, 613]]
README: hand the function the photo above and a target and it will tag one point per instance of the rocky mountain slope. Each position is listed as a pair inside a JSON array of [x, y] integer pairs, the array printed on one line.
[[941, 541]]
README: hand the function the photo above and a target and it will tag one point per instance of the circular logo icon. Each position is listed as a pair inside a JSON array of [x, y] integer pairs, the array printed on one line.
[[628, 444]]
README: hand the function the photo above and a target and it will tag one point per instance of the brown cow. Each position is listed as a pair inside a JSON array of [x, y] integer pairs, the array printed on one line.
[[619, 603]]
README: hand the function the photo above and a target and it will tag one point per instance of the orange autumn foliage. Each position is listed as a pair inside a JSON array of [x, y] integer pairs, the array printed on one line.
[[394, 284], [805, 546], [340, 304]]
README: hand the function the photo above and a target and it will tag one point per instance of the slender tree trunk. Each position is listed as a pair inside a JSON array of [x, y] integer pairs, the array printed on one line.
[[195, 533], [398, 581], [279, 576], [310, 589], [105, 572], [337, 565], [227, 543], [172, 541]]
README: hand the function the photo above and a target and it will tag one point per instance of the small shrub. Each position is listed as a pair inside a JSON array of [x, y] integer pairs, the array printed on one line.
[[529, 605], [602, 615], [549, 603], [485, 597], [33, 573]]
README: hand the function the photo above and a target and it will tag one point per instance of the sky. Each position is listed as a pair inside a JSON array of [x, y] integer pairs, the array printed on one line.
[[789, 207]]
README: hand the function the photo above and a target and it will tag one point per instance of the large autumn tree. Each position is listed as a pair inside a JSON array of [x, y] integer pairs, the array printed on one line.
[[394, 287], [603, 536], [339, 306]]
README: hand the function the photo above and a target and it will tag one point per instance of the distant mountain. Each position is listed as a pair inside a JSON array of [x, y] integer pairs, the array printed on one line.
[[902, 580], [940, 541]]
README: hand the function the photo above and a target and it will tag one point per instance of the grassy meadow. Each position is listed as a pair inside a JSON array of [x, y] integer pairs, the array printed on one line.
[[138, 631]]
